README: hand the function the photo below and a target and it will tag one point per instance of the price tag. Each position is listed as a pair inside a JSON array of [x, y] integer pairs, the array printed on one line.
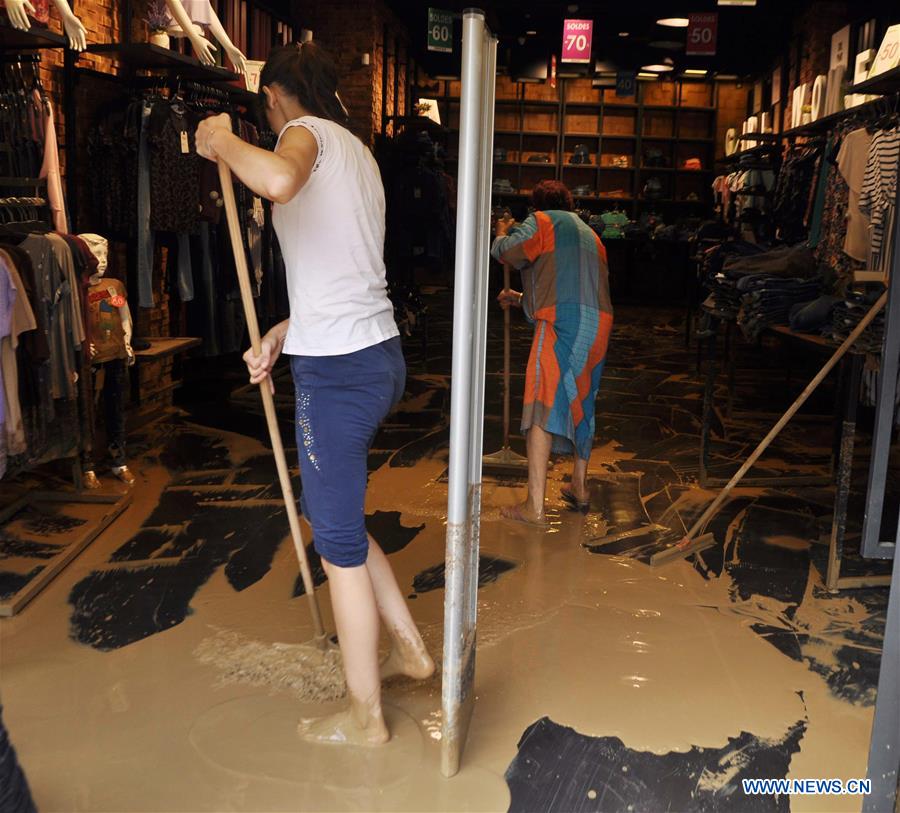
[[117, 301], [626, 83], [440, 31], [577, 35], [888, 54], [701, 34], [185, 144]]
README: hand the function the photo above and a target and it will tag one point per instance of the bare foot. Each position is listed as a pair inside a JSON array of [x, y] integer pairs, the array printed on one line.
[[358, 725], [407, 657], [525, 514]]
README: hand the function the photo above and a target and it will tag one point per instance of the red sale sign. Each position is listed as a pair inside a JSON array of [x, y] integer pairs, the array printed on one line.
[[576, 45], [701, 34]]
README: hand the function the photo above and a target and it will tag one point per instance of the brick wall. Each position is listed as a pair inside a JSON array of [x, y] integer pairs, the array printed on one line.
[[348, 29], [810, 51]]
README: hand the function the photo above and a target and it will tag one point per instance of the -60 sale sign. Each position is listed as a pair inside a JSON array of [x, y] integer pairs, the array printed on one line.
[[701, 34]]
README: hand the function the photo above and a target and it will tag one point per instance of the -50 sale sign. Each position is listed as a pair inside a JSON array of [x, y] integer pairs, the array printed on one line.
[[701, 34]]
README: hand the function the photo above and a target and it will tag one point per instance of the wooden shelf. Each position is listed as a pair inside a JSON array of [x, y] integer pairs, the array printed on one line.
[[162, 348], [144, 56], [12, 39], [585, 105], [536, 133], [682, 108], [887, 82]]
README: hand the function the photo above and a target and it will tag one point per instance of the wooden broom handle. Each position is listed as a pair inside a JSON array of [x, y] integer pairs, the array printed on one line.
[[268, 399]]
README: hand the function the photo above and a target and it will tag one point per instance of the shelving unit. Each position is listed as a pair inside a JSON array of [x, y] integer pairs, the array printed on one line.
[[676, 118], [12, 39], [144, 56]]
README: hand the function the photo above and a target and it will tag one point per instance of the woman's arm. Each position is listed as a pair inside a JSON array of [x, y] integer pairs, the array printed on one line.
[[277, 176], [520, 245]]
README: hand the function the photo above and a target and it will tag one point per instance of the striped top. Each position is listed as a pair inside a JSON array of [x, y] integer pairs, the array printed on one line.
[[878, 195]]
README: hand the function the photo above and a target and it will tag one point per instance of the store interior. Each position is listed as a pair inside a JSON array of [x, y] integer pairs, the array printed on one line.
[[739, 163]]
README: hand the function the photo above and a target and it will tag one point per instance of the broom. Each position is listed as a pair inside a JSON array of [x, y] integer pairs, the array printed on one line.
[[265, 390], [691, 543], [506, 461]]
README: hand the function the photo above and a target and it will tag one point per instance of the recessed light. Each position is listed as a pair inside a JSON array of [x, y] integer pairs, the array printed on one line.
[[643, 75], [624, 34], [727, 77], [531, 33], [695, 72], [656, 68], [674, 22]]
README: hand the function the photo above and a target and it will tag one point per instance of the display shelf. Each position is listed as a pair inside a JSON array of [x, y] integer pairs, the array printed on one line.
[[770, 137], [538, 133], [680, 107], [827, 122], [12, 39], [616, 169], [162, 348], [585, 105], [144, 56], [887, 82], [595, 136]]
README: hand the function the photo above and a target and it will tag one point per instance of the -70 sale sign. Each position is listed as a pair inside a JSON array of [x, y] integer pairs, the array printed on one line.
[[701, 34], [577, 40]]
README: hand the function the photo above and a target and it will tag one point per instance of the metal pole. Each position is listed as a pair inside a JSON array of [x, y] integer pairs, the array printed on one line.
[[872, 545], [483, 264], [884, 748], [457, 688], [467, 221]]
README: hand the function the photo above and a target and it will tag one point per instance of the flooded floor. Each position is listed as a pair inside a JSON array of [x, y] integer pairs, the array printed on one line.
[[164, 669]]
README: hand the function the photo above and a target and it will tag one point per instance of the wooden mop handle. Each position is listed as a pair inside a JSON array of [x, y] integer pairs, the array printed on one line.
[[287, 491], [506, 355], [801, 399]]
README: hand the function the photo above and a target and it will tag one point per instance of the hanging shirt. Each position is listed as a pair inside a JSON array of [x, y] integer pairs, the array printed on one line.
[[332, 237], [50, 166], [16, 318], [852, 160], [879, 193]]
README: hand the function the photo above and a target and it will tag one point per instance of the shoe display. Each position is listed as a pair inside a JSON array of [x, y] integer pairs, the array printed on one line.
[[502, 186], [91, 480], [582, 191], [539, 158], [581, 155]]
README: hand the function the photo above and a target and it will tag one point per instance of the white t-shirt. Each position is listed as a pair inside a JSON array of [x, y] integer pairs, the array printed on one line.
[[332, 238]]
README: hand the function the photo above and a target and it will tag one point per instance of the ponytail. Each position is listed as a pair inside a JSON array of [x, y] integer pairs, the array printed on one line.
[[308, 73]]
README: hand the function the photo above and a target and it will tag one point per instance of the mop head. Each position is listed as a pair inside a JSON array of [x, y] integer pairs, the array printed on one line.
[[506, 461], [310, 673]]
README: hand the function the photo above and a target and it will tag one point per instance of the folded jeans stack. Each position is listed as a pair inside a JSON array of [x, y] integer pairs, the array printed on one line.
[[767, 300]]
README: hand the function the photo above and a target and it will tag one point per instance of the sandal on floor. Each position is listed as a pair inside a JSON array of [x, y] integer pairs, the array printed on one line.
[[514, 513], [573, 502]]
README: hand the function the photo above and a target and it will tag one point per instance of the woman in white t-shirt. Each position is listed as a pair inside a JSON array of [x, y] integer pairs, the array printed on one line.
[[345, 351]]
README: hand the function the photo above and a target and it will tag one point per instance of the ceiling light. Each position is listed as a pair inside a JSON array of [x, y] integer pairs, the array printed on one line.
[[573, 7], [695, 72], [727, 77], [660, 67], [643, 75], [531, 33], [674, 22], [624, 34]]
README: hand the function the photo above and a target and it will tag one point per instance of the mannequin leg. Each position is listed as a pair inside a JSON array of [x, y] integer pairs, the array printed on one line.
[[114, 411]]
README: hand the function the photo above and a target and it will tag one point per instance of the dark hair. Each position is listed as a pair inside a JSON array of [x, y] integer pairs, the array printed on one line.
[[551, 195], [307, 72]]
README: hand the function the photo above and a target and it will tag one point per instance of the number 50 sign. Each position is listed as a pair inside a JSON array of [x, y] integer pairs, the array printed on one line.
[[701, 34], [577, 40]]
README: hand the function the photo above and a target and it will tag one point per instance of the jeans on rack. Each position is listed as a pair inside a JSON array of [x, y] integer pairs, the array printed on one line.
[[144, 234], [185, 268]]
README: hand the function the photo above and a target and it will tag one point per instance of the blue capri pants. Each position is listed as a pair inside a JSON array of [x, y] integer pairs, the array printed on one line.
[[341, 402]]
